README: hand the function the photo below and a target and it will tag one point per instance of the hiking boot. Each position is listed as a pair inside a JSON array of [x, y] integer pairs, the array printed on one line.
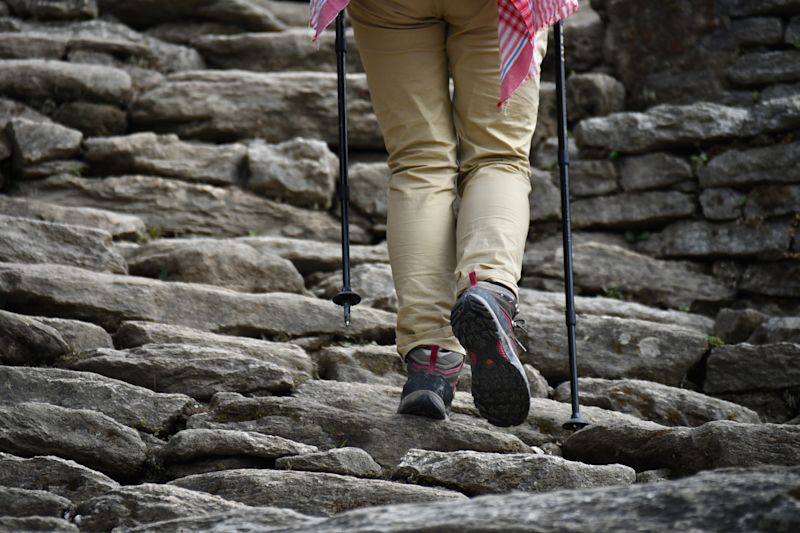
[[431, 385], [483, 322]]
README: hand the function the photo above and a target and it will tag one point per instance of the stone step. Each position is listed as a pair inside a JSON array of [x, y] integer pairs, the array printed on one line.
[[262, 518], [25, 502], [347, 461]]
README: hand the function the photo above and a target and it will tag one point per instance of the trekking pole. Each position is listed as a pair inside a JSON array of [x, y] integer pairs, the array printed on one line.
[[575, 422], [346, 297]]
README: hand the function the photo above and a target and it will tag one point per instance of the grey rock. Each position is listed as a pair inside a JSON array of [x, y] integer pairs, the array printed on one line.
[[652, 171], [77, 434], [545, 197], [184, 32], [594, 94], [290, 13], [373, 280], [345, 461], [584, 30], [723, 203], [778, 91], [314, 493], [27, 341], [141, 504], [32, 241], [229, 105], [300, 171], [31, 45], [37, 142], [776, 406], [361, 364], [185, 369], [330, 414], [191, 444], [699, 239], [167, 156], [57, 476], [779, 163], [728, 500], [776, 116], [777, 330], [475, 473], [669, 406], [64, 82], [792, 36], [546, 124], [593, 177], [747, 8], [632, 209], [223, 263], [289, 50], [79, 335], [119, 225], [762, 68], [772, 201], [653, 476], [745, 367], [290, 356], [260, 518], [36, 523], [369, 183], [538, 384], [93, 120], [178, 208], [26, 502], [687, 450], [779, 278], [754, 31], [54, 9], [544, 153], [737, 325], [249, 14], [72, 167], [130, 405]]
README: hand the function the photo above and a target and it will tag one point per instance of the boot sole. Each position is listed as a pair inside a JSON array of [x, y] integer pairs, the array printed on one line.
[[500, 391], [423, 403]]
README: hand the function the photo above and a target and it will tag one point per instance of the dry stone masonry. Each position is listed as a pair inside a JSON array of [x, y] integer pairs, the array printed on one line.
[[170, 359]]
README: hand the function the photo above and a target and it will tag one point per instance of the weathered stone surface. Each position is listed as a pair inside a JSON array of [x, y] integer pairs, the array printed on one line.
[[762, 68], [779, 163], [544, 153], [330, 414], [229, 105], [27, 341], [192, 370], [77, 434], [777, 330], [314, 493], [249, 14], [592, 177], [777, 115], [261, 518], [130, 405], [632, 209], [117, 224], [374, 281], [31, 241], [25, 502], [64, 82], [290, 50], [723, 203], [191, 444], [224, 263], [369, 183], [776, 406], [737, 325], [747, 8], [711, 501], [345, 461], [290, 356], [652, 171], [361, 364], [593, 94], [773, 201], [545, 197], [37, 142], [584, 31], [36, 523], [79, 335], [756, 31], [476, 473], [178, 208], [792, 36], [54, 9], [72, 167], [93, 120], [167, 156], [64, 478], [745, 367], [606, 268], [695, 238], [779, 278], [141, 504], [687, 450], [669, 406], [300, 171]]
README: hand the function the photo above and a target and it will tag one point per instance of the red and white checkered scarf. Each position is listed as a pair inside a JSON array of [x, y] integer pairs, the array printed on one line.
[[518, 23]]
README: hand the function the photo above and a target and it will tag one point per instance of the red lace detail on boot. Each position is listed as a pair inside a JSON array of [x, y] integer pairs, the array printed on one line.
[[432, 360], [473, 279]]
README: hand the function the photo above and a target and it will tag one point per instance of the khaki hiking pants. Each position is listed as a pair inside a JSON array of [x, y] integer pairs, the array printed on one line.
[[458, 195]]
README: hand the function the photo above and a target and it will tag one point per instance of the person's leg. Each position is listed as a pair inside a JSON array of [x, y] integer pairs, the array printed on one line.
[[402, 47]]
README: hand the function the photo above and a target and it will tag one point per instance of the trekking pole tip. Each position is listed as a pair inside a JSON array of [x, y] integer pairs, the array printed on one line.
[[575, 423], [346, 299]]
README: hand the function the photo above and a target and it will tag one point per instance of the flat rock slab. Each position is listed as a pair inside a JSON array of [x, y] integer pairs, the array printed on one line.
[[722, 501], [374, 281], [360, 363], [687, 450], [119, 225], [77, 434], [290, 356], [476, 473], [24, 502], [28, 341], [669, 406], [172, 207], [185, 369], [745, 367], [261, 518], [777, 164], [346, 461], [36, 523], [31, 241], [347, 414], [248, 14], [133, 406], [632, 209], [236, 104], [309, 492], [140, 504], [191, 444], [63, 478], [36, 142], [79, 335], [108, 300]]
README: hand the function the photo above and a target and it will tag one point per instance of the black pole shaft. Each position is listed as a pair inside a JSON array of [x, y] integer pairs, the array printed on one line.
[[576, 420]]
